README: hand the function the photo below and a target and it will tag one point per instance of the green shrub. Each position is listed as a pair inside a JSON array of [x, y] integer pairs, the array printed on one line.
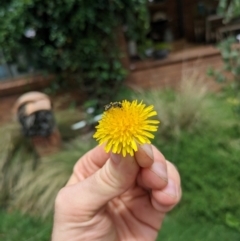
[[76, 39], [229, 9], [230, 53]]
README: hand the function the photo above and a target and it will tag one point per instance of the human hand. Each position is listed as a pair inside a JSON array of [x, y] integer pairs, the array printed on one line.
[[115, 198]]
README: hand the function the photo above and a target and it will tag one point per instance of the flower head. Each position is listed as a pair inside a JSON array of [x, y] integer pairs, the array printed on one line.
[[124, 125]]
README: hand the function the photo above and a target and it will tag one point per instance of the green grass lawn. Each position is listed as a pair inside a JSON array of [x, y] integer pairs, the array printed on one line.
[[175, 229], [17, 227]]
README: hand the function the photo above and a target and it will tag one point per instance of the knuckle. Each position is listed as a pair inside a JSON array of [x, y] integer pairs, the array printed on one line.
[[108, 179]]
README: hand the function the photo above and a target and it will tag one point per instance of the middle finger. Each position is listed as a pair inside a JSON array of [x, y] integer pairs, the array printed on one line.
[[155, 176]]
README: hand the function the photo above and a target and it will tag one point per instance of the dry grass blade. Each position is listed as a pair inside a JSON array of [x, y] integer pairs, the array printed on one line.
[[14, 155], [36, 190], [187, 108], [191, 101], [31, 184]]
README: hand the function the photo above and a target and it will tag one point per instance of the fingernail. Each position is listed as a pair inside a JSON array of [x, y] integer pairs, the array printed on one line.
[[147, 148], [171, 189], [160, 170], [116, 158]]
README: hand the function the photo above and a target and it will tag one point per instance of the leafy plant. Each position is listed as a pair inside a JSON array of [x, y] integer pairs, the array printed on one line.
[[229, 9], [230, 52], [76, 39]]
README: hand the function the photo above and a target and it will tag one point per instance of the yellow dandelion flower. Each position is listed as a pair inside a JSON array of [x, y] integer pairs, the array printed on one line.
[[124, 125]]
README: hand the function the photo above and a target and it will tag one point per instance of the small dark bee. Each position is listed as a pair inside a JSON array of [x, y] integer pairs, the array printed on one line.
[[113, 105]]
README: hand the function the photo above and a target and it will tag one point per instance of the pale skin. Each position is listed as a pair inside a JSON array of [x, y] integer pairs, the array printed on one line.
[[111, 198]]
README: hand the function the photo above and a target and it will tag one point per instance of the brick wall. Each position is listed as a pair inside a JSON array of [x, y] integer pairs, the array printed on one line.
[[169, 73]]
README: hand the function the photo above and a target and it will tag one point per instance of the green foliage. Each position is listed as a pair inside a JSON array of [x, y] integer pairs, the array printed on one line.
[[15, 226], [18, 227], [230, 52], [175, 229], [208, 163], [230, 55], [229, 9], [77, 39]]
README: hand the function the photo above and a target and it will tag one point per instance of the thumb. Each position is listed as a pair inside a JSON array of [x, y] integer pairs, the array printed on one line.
[[87, 197]]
